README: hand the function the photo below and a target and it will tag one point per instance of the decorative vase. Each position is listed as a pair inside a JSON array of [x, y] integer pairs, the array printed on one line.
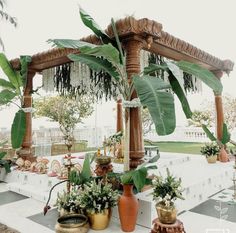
[[128, 209], [223, 156], [166, 214], [211, 158], [101, 220], [72, 223]]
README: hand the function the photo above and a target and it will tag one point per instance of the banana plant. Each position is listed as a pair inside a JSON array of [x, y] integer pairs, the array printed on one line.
[[11, 92], [153, 92]]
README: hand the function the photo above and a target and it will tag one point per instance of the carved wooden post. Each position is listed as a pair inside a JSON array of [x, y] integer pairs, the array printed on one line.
[[223, 157], [26, 150], [133, 47], [119, 116]]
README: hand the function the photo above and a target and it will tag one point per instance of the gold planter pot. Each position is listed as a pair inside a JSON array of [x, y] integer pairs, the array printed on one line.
[[72, 223], [166, 215], [100, 221], [212, 159]]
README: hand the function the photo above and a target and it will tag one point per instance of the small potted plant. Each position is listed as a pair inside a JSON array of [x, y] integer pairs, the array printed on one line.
[[165, 192], [211, 151], [67, 203], [97, 199]]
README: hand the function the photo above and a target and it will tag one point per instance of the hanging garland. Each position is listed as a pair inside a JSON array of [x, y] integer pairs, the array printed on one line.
[[191, 83]]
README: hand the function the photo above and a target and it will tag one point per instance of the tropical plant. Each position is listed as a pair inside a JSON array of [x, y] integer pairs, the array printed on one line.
[[66, 111], [210, 149], [201, 117], [167, 190], [96, 196], [11, 92], [153, 92], [7, 17]]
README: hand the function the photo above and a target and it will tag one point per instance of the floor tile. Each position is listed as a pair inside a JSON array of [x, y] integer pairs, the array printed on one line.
[[8, 197]]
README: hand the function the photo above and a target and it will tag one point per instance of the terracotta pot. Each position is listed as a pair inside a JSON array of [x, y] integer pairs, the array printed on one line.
[[211, 159], [73, 223], [223, 156], [101, 220], [128, 209], [166, 215]]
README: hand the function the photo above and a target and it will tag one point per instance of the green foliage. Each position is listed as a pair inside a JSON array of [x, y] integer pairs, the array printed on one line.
[[12, 89], [64, 110], [95, 197], [160, 104], [167, 190], [4, 163], [210, 149], [18, 129]]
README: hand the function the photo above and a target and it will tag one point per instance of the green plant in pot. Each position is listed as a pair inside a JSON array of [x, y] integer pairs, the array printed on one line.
[[165, 192], [97, 198], [6, 164], [211, 151], [128, 203], [223, 156]]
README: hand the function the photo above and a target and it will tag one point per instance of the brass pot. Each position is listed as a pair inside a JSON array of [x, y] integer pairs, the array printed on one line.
[[101, 220], [103, 160], [211, 159], [166, 215], [72, 223]]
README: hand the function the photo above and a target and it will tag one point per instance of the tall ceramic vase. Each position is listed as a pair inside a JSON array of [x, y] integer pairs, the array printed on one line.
[[223, 156], [128, 209]]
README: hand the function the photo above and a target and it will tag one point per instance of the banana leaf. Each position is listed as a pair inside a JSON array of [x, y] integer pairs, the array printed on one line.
[[6, 84], [203, 74], [153, 68], [90, 23], [6, 96], [107, 50], [24, 61], [96, 64], [208, 133], [11, 74], [159, 103], [139, 178], [18, 129], [86, 170], [226, 135], [178, 90]]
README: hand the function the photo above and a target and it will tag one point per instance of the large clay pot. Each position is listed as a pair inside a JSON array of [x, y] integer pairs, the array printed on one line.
[[223, 156], [101, 220], [73, 223], [166, 215], [211, 159], [128, 209]]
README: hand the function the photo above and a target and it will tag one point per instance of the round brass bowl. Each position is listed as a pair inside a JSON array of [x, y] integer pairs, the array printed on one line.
[[103, 160], [72, 223]]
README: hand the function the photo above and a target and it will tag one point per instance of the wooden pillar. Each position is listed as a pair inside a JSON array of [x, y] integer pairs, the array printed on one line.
[[133, 47], [219, 110], [26, 150], [119, 116]]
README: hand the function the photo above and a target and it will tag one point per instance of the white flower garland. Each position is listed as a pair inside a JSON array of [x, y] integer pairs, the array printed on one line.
[[134, 103], [27, 110]]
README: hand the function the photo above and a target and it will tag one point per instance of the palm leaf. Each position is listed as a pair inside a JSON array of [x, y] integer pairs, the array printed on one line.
[[107, 50], [18, 129], [6, 84], [203, 74], [6, 96], [159, 103], [96, 64], [10, 72], [90, 23]]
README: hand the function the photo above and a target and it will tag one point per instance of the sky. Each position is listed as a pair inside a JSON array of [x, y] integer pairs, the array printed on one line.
[[207, 24]]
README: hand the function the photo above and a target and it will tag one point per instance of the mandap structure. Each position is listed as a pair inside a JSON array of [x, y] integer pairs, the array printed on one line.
[[136, 36]]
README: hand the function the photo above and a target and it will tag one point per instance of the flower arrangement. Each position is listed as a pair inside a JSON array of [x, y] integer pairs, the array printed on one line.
[[68, 201], [210, 149], [95, 197], [167, 190]]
